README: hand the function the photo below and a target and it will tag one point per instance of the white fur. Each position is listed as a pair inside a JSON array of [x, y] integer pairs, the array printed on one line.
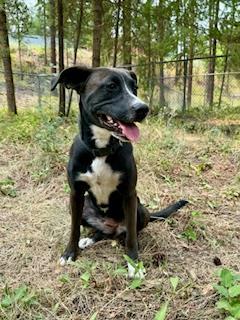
[[63, 261], [102, 180], [132, 274], [101, 136], [85, 242], [120, 229]]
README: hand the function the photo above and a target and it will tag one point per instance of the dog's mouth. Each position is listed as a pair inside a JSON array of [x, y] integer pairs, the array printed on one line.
[[121, 130]]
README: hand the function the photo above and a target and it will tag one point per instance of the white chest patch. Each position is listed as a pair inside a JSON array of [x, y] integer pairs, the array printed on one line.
[[102, 180], [101, 136]]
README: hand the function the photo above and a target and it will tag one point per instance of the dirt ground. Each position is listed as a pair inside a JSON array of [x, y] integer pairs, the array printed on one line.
[[172, 164]]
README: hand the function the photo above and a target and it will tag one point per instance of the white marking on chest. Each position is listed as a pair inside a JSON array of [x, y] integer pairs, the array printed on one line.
[[101, 136], [102, 180]]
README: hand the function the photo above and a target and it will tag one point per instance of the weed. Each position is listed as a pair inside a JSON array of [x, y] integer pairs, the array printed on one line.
[[203, 166], [161, 314], [20, 296], [7, 187], [85, 277], [19, 128], [64, 278], [228, 289], [86, 269], [191, 231], [232, 193]]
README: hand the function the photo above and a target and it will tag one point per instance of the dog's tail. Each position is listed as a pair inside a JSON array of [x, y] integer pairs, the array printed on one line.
[[165, 213]]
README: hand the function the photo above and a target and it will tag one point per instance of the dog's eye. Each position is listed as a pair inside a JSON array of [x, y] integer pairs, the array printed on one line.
[[112, 86]]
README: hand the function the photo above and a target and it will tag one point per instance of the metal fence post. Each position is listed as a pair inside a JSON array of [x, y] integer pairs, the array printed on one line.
[[39, 91]]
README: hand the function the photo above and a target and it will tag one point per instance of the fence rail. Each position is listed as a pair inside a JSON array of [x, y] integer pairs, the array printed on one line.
[[169, 92]]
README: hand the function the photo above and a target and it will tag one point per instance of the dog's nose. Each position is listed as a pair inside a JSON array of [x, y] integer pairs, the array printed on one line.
[[141, 111]]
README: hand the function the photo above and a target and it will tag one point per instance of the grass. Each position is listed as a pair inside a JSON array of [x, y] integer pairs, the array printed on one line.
[[173, 163]]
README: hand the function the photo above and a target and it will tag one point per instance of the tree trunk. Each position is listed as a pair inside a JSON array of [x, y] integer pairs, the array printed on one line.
[[149, 47], [127, 33], [45, 33], [190, 74], [19, 49], [20, 55], [61, 111], [191, 10], [78, 31], [116, 34], [178, 55], [162, 101], [97, 32], [76, 45], [161, 32], [6, 58], [213, 24], [185, 69], [53, 36], [227, 53]]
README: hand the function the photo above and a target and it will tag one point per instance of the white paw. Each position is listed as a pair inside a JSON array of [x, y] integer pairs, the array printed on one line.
[[63, 261], [85, 242], [133, 274]]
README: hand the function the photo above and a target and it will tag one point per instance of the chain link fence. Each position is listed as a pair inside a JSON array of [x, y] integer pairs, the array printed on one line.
[[32, 90], [170, 93], [179, 93]]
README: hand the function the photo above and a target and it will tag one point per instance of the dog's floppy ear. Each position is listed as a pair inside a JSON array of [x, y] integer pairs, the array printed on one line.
[[72, 78], [133, 75]]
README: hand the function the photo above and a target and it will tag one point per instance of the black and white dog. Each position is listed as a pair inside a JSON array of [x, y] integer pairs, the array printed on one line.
[[101, 171]]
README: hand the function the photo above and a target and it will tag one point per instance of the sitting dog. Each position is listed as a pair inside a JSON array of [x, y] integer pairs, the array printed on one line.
[[101, 171]]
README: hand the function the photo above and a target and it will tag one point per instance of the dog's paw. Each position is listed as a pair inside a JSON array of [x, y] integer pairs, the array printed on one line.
[[63, 260], [85, 242], [133, 274], [68, 257]]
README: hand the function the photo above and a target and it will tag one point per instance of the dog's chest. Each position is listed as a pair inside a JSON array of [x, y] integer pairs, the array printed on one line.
[[101, 179]]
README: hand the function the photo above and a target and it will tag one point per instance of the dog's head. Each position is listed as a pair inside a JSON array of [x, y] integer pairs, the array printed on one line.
[[109, 97]]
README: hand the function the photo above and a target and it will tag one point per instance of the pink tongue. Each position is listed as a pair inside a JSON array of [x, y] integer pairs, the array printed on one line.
[[131, 131]]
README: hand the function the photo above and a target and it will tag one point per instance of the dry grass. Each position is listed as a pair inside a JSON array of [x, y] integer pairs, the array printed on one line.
[[34, 227]]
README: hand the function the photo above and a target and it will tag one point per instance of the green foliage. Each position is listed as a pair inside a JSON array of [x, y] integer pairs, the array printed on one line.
[[85, 277], [19, 129], [19, 18], [191, 231], [7, 187], [228, 289], [94, 316], [64, 278], [174, 283], [86, 269], [20, 296], [190, 234], [162, 313]]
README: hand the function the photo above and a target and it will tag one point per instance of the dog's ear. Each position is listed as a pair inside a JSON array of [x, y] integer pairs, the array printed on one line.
[[133, 75], [72, 78]]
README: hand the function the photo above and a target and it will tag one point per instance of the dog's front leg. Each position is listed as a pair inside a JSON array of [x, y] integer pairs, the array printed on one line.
[[130, 211], [76, 206]]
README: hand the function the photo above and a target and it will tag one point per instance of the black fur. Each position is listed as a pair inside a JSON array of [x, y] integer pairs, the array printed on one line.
[[106, 92]]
